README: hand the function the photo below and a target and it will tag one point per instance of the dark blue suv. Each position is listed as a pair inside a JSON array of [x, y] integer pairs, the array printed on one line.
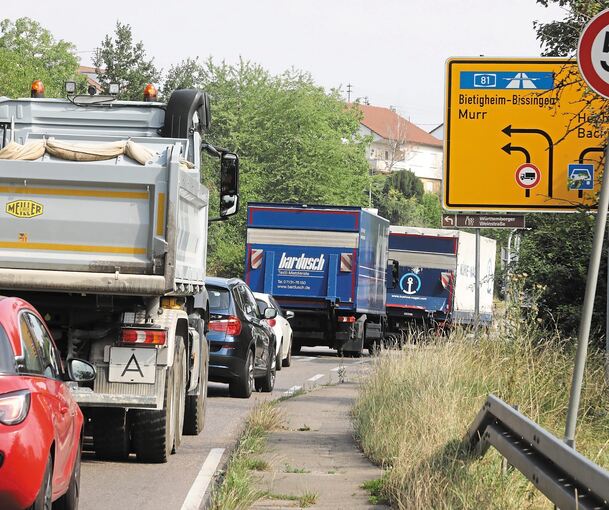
[[241, 344]]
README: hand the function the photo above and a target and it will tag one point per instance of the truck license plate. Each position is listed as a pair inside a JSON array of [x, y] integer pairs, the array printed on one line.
[[132, 365]]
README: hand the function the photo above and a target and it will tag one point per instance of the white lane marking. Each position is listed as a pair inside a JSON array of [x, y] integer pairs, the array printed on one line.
[[336, 369], [315, 377], [304, 358], [291, 391], [197, 491]]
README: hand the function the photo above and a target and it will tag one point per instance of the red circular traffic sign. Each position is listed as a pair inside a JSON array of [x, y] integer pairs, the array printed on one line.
[[528, 176], [593, 53]]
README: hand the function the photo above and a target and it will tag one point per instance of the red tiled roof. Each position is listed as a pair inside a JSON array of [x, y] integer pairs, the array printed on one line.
[[389, 125]]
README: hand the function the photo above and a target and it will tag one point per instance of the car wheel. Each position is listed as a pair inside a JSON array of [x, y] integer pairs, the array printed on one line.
[[44, 500], [288, 359], [279, 354], [69, 501], [267, 383], [153, 431], [111, 434], [244, 385]]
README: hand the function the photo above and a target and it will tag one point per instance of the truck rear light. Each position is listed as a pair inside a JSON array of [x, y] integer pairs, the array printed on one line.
[[230, 326], [144, 336], [14, 407], [346, 318], [271, 322]]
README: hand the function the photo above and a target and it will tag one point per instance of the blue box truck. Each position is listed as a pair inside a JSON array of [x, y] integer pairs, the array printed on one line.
[[431, 278], [325, 263]]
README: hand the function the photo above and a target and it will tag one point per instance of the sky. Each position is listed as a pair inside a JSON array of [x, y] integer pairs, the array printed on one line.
[[390, 51]]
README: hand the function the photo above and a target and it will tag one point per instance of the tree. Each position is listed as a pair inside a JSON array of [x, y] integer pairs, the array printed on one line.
[[189, 73], [120, 60], [405, 182], [29, 51], [296, 142]]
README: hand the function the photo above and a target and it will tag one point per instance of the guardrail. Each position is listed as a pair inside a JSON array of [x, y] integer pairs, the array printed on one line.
[[564, 476]]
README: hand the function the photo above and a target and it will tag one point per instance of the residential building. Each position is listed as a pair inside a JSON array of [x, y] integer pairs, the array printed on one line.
[[398, 144]]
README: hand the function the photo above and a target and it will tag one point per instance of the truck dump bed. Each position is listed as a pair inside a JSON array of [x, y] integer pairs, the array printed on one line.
[[113, 226], [310, 256]]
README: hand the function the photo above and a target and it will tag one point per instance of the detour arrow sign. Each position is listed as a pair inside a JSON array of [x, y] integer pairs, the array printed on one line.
[[505, 113]]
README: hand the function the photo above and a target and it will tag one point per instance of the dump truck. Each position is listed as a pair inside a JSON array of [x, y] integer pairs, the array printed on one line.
[[103, 228], [326, 264], [431, 279]]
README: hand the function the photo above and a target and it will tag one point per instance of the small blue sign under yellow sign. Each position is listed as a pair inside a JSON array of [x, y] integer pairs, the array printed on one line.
[[581, 176]]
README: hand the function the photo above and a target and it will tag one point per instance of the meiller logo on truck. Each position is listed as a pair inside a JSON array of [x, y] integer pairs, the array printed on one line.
[[302, 262]]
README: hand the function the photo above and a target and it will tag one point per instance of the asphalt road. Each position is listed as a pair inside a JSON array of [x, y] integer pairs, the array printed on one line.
[[131, 485]]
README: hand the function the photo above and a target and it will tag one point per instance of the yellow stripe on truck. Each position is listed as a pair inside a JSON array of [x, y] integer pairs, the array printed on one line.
[[18, 245], [160, 215], [92, 193]]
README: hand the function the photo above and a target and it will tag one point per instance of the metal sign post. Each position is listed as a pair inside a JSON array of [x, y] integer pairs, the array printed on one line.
[[592, 58], [586, 318], [477, 280]]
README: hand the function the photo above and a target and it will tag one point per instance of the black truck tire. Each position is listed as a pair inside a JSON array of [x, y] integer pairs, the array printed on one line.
[[244, 385], [153, 431], [194, 411], [111, 434], [180, 391], [195, 405], [296, 346]]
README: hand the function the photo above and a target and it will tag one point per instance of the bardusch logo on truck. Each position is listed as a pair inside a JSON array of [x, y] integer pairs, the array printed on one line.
[[302, 262]]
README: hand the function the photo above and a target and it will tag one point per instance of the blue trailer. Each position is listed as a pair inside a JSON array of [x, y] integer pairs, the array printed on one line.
[[325, 263], [431, 278]]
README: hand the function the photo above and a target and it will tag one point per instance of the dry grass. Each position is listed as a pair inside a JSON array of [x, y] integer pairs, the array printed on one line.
[[416, 405], [236, 492]]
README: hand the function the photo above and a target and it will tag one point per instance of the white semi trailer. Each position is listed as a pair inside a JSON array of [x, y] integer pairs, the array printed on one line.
[[103, 228]]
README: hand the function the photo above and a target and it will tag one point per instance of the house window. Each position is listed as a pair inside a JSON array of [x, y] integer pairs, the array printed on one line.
[[386, 154], [371, 153]]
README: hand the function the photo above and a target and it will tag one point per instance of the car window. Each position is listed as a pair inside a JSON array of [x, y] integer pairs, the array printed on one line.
[[247, 300], [251, 300], [262, 306], [7, 356], [219, 299], [31, 364], [48, 354]]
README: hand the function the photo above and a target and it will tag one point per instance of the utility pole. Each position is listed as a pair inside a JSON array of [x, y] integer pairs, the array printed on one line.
[[349, 88]]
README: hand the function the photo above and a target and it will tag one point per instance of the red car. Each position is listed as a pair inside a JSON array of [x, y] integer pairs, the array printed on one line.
[[41, 424]]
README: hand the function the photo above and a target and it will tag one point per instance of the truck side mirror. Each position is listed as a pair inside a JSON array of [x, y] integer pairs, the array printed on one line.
[[229, 184]]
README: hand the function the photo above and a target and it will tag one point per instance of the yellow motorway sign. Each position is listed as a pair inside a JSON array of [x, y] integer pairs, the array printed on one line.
[[518, 136]]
